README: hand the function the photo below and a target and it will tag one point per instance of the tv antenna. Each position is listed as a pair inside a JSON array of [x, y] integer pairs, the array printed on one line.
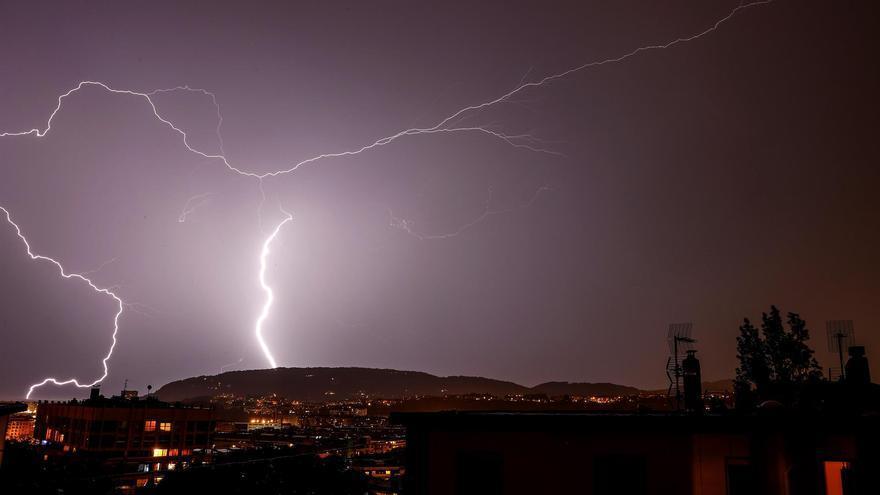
[[680, 341], [840, 335]]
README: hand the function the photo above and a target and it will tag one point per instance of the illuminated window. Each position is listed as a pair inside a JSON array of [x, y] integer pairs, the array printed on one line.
[[172, 466], [837, 478], [160, 452], [173, 453], [165, 426], [150, 425]]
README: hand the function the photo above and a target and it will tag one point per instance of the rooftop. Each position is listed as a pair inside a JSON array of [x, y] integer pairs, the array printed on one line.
[[124, 402], [6, 409], [629, 421]]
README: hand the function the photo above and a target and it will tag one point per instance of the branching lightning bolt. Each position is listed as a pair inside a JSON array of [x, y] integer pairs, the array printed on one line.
[[445, 125], [513, 140], [229, 365], [119, 303], [270, 294], [100, 267], [192, 204], [450, 124], [408, 225]]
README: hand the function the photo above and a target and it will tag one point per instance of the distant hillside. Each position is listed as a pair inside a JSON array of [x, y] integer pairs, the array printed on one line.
[[318, 384]]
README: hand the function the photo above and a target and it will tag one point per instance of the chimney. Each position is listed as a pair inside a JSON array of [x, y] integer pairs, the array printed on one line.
[[693, 393], [857, 371]]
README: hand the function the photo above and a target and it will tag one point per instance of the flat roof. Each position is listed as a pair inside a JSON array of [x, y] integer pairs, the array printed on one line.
[[632, 422], [13, 408], [120, 403]]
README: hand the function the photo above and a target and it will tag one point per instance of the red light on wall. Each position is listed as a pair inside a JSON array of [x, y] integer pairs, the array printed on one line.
[[835, 472]]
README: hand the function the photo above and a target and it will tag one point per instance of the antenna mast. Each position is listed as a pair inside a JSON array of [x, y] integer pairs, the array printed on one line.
[[840, 335], [679, 341]]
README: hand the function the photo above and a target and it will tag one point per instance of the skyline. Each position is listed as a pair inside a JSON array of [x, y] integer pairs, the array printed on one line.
[[101, 132]]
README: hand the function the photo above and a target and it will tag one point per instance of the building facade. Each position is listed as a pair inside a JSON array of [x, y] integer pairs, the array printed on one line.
[[5, 411], [597, 454], [21, 427], [135, 441]]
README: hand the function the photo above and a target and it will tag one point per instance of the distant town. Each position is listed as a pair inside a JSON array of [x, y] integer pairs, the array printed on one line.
[[782, 426], [138, 441]]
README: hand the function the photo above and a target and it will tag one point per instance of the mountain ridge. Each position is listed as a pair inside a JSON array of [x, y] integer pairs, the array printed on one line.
[[326, 383]]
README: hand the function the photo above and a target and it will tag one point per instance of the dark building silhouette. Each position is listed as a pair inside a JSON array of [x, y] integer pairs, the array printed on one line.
[[857, 370], [693, 393], [462, 453], [134, 441], [5, 411]]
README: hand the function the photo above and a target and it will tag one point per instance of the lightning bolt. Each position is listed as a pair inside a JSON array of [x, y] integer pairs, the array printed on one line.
[[270, 294], [119, 303], [449, 124], [446, 125], [513, 140], [100, 267], [408, 225], [229, 365], [213, 98], [192, 204]]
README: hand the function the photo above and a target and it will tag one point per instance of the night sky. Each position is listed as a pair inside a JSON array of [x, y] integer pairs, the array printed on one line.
[[699, 183]]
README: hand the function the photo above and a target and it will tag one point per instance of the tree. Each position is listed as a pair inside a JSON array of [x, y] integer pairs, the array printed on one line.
[[775, 360]]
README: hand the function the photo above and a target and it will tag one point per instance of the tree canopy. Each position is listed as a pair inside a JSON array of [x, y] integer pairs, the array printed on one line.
[[774, 359]]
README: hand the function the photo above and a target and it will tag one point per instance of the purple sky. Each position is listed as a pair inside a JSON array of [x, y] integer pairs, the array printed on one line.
[[699, 183]]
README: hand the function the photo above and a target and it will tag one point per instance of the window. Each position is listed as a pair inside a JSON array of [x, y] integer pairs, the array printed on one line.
[[160, 452], [620, 475], [150, 425], [165, 426]]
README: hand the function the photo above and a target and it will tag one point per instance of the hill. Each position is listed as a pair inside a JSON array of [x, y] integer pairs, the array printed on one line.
[[319, 384]]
